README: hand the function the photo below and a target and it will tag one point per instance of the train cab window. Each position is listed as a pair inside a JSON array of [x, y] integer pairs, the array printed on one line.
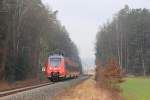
[[55, 62]]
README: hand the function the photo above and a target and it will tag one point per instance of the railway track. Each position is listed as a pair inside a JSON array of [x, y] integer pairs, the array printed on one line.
[[44, 91], [13, 91], [10, 92]]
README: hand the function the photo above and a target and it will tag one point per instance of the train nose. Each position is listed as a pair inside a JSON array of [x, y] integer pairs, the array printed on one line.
[[56, 69], [55, 74]]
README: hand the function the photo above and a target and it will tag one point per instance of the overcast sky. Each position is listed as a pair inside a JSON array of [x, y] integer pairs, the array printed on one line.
[[83, 17]]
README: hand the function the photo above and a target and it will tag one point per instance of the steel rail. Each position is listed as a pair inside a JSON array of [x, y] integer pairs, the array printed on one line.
[[10, 92]]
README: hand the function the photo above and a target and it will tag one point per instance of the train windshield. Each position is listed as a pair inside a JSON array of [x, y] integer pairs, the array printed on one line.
[[55, 62]]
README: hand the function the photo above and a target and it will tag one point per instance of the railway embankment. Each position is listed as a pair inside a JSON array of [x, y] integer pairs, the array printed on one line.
[[45, 92]]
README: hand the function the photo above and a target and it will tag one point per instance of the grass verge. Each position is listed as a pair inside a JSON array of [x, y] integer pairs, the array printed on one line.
[[136, 88]]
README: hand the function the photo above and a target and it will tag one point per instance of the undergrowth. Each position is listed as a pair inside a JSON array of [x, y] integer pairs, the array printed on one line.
[[108, 77]]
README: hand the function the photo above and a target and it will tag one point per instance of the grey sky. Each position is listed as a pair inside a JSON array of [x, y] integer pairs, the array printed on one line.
[[83, 17]]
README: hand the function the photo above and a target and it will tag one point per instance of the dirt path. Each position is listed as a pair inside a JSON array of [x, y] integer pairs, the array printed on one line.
[[84, 91]]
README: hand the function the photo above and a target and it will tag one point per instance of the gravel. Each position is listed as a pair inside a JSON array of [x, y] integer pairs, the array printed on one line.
[[45, 92]]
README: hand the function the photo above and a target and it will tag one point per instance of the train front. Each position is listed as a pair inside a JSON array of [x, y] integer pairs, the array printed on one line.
[[55, 68]]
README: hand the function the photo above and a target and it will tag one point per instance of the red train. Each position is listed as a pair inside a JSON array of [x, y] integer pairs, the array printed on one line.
[[59, 67]]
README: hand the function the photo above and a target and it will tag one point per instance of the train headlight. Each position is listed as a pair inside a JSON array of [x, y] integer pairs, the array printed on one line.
[[50, 68]]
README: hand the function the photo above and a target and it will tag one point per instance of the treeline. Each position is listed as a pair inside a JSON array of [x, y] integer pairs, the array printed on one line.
[[127, 38], [28, 33]]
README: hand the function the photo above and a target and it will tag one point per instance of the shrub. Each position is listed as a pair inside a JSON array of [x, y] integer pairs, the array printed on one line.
[[109, 76]]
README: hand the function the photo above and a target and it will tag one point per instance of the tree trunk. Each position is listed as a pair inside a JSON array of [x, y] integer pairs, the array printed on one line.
[[143, 66]]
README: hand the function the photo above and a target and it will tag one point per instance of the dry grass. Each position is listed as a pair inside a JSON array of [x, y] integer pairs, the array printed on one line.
[[108, 78], [85, 91]]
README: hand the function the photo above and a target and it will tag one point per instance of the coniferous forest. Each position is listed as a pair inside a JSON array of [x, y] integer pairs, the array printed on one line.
[[127, 38], [28, 33]]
